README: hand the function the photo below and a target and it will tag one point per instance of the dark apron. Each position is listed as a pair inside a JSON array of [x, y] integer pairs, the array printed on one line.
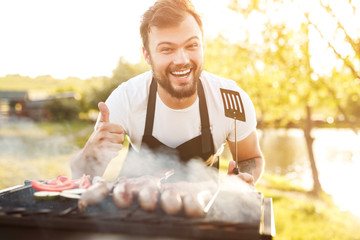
[[200, 147]]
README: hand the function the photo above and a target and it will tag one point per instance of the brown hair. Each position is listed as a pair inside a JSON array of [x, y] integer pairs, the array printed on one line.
[[165, 13]]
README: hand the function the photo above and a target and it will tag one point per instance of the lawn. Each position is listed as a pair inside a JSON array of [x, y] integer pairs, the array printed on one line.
[[300, 215]]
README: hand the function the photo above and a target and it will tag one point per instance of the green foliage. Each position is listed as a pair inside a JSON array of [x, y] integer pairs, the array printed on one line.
[[277, 71], [65, 109], [353, 103], [47, 84], [123, 72]]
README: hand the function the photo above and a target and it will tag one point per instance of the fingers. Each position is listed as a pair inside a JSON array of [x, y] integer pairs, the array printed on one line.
[[105, 113], [231, 167], [113, 147], [107, 133], [111, 128], [110, 137], [105, 120], [248, 178]]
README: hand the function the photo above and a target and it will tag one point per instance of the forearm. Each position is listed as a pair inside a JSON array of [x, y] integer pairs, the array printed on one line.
[[250, 159], [81, 164], [75, 166], [252, 166]]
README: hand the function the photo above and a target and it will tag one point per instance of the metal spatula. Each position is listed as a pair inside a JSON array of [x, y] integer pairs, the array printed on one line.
[[234, 109]]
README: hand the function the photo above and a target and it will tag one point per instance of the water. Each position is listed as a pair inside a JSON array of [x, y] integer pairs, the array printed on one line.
[[337, 155]]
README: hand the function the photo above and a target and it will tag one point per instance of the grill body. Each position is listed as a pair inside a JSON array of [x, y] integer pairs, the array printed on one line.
[[21, 215]]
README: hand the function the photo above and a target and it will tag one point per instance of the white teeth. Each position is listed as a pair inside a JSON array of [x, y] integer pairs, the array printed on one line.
[[181, 73]]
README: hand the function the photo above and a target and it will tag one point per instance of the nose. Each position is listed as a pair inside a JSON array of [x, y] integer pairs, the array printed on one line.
[[181, 57]]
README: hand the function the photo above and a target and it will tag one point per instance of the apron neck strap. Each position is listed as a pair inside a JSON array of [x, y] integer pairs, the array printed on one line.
[[149, 122], [205, 123]]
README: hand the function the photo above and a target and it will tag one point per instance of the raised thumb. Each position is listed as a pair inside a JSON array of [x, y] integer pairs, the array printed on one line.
[[105, 113]]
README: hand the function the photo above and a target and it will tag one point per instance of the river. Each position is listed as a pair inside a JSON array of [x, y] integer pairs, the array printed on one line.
[[337, 155]]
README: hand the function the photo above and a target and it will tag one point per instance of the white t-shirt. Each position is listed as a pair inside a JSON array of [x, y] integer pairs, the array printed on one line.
[[128, 105]]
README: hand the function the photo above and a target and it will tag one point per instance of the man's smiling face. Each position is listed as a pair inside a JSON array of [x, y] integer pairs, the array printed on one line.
[[176, 57]]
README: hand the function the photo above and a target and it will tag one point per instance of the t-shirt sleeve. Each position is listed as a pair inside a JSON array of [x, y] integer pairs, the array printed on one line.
[[244, 128]]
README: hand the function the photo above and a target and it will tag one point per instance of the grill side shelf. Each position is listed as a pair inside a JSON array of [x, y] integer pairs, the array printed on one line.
[[267, 227]]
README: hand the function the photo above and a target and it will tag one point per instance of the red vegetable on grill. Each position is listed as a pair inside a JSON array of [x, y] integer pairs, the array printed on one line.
[[59, 187], [61, 183]]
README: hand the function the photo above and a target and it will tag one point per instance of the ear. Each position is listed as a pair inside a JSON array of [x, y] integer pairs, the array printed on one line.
[[146, 56]]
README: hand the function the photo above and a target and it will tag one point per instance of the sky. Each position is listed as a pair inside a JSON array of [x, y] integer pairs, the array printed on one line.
[[81, 38], [86, 38]]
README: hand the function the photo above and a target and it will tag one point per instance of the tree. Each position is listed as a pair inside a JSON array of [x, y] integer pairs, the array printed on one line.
[[287, 56], [123, 72], [63, 109], [344, 42]]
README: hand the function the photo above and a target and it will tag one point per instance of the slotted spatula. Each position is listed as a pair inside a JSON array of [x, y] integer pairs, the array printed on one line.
[[234, 109]]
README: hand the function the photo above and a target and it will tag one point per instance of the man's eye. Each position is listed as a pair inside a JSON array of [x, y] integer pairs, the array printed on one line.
[[166, 50], [193, 46]]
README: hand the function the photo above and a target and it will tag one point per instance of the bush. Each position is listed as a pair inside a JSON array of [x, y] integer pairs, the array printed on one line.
[[63, 109]]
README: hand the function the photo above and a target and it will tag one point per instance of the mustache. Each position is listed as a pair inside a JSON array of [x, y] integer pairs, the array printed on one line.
[[174, 68]]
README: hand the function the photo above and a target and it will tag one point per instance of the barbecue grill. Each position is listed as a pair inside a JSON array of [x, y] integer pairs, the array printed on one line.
[[24, 217]]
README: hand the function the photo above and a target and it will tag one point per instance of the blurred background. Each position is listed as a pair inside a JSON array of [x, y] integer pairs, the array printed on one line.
[[299, 60]]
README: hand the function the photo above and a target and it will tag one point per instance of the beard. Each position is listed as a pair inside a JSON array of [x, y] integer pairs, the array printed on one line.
[[184, 90]]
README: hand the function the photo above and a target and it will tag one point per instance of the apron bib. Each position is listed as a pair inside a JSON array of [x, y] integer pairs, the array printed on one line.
[[152, 152]]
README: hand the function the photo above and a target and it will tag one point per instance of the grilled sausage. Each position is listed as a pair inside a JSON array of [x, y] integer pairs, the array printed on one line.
[[171, 202], [93, 195], [122, 198], [148, 197], [195, 203], [134, 185]]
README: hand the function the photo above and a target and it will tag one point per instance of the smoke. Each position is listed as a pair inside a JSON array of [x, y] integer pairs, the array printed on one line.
[[147, 162], [237, 201]]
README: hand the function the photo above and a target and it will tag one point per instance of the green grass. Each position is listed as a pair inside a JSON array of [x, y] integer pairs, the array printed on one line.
[[14, 172], [39, 150], [299, 215], [79, 131]]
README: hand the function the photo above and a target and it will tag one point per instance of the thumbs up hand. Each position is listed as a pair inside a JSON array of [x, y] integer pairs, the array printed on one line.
[[104, 111], [103, 145]]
